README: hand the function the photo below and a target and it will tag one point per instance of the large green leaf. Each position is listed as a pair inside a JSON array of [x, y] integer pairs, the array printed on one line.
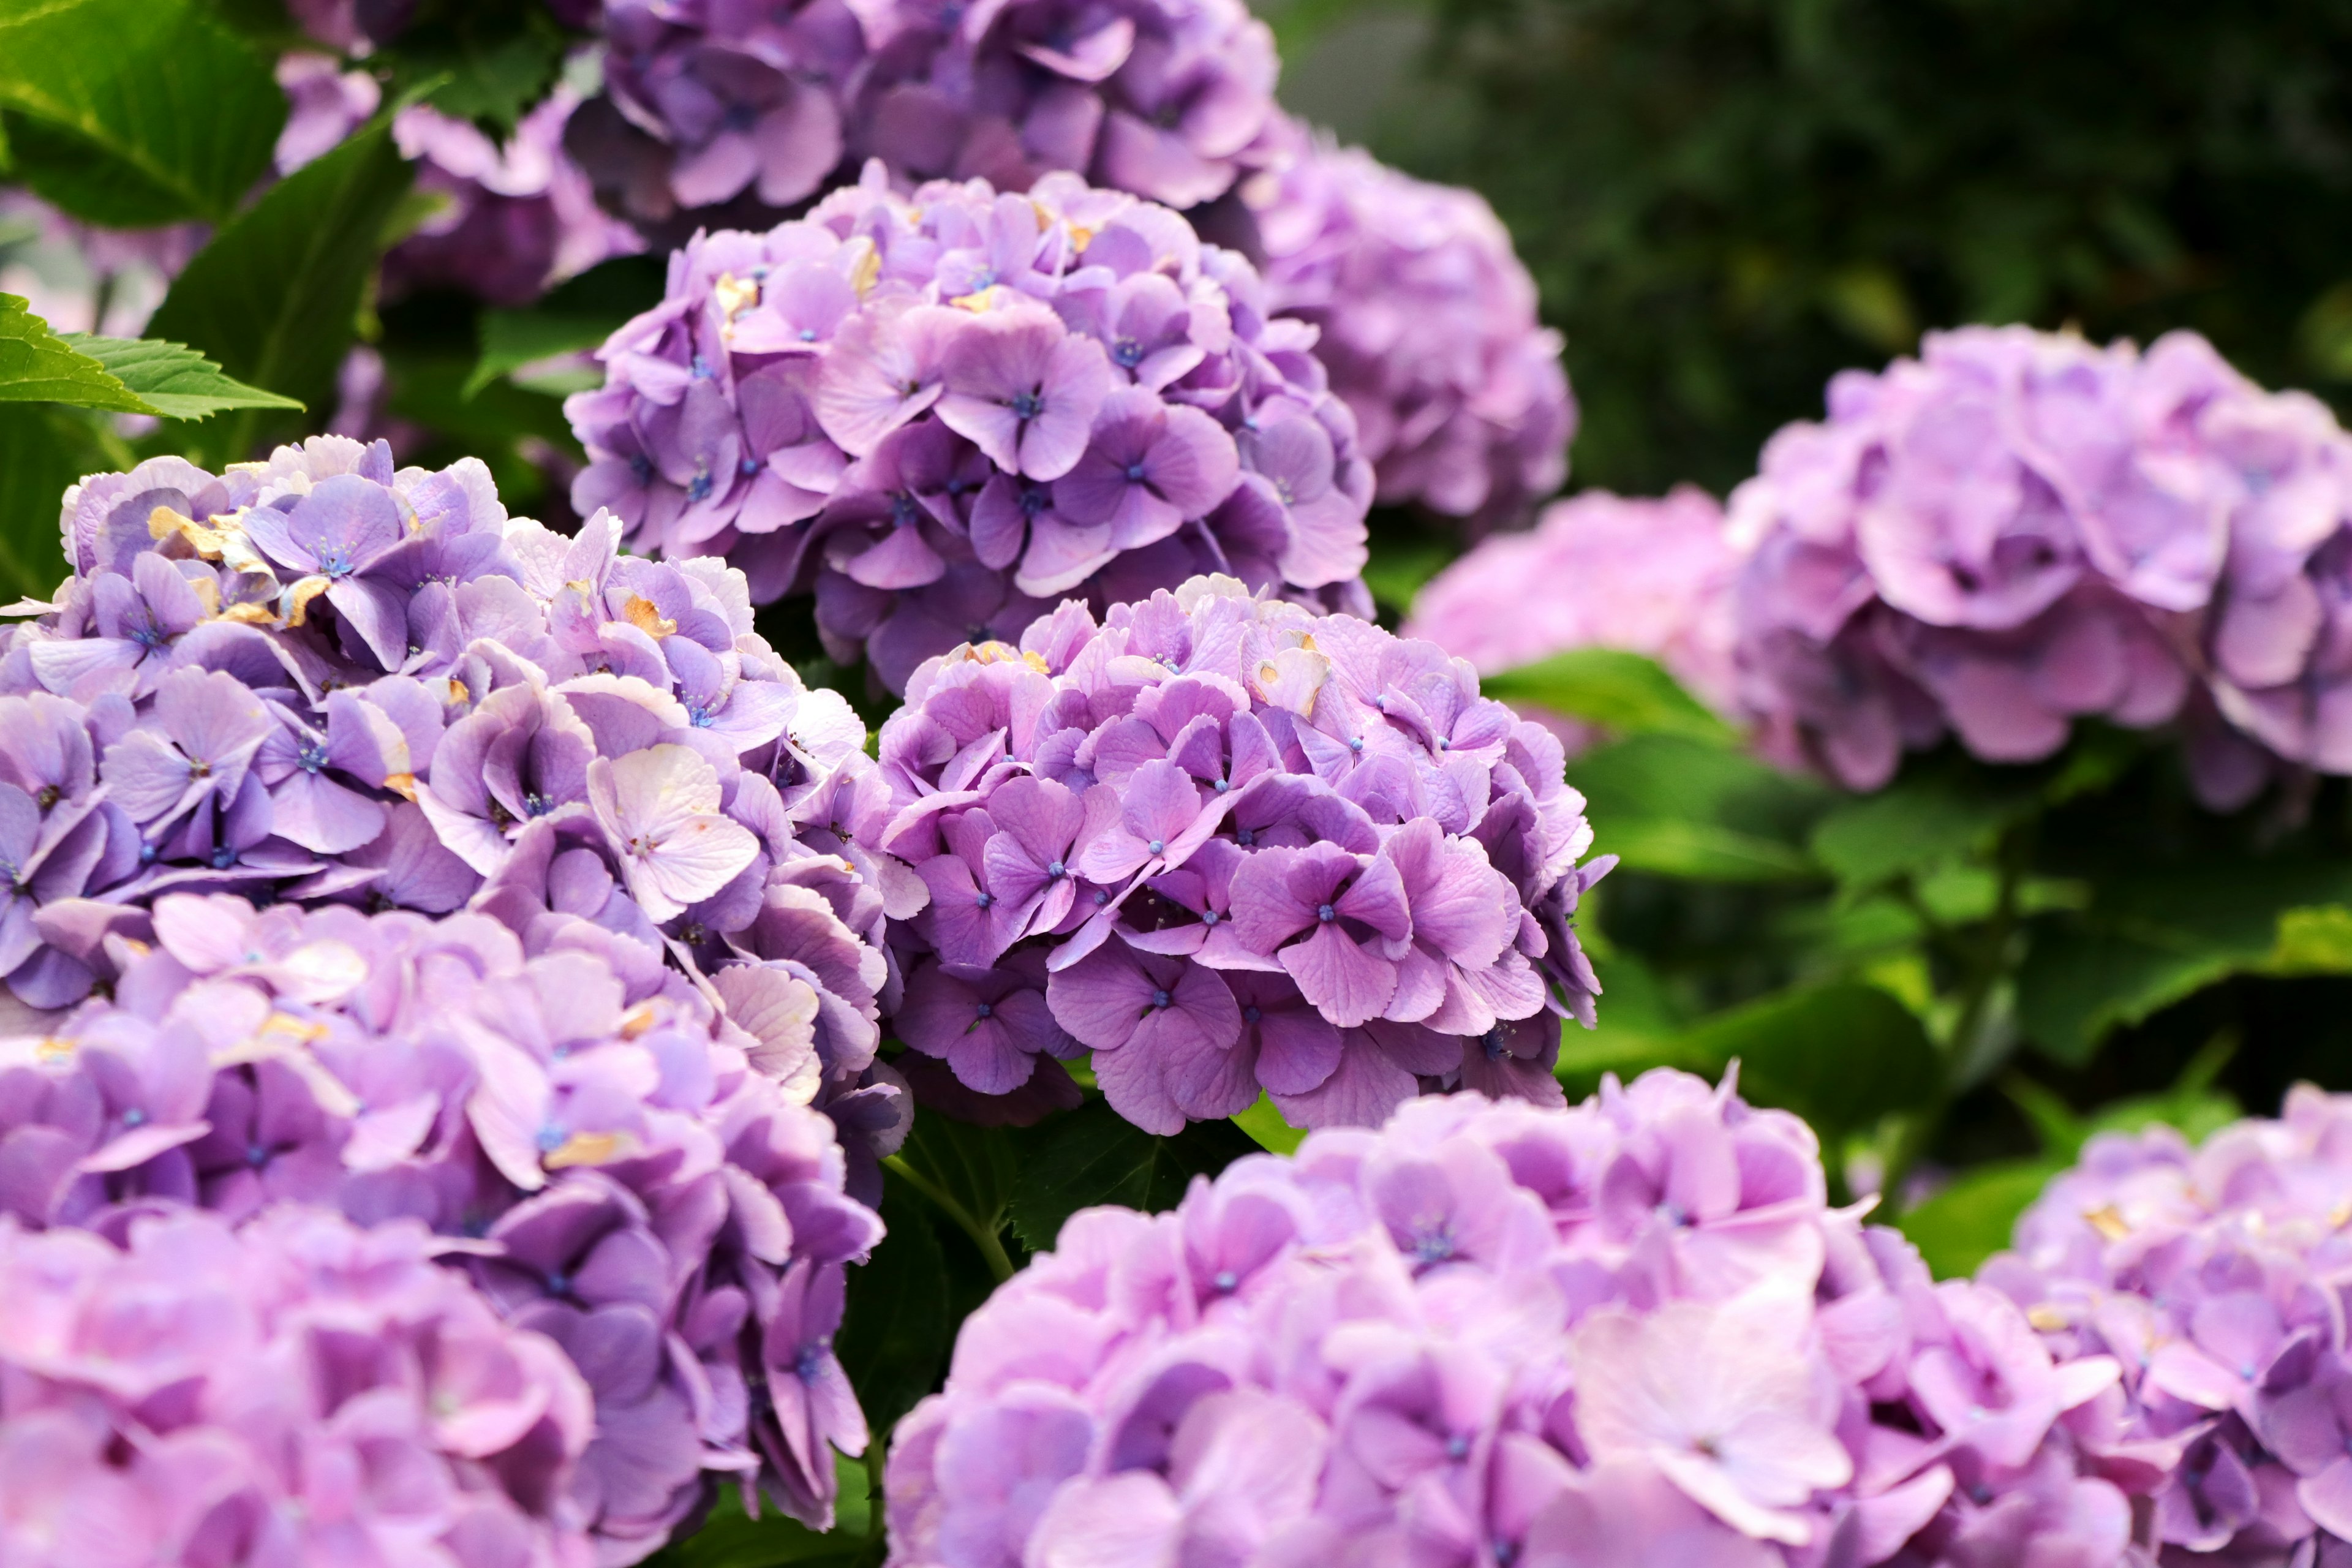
[[42, 451], [173, 380], [1920, 822], [2153, 938], [1095, 1156], [38, 365], [896, 1330], [1973, 1218], [135, 112], [731, 1538], [1621, 691], [276, 297], [1683, 807]]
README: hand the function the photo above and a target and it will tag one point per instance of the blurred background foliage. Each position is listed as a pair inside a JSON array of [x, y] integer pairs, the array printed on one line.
[[1725, 202]]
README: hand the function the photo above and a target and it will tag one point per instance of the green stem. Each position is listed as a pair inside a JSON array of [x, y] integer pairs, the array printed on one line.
[[984, 1237]]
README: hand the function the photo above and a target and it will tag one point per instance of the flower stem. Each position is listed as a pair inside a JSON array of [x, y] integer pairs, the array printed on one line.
[[984, 1237]]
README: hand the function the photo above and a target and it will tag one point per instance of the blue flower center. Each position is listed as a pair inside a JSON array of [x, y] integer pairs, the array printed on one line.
[[808, 335], [334, 563], [1434, 1246], [311, 758], [550, 1139], [699, 488], [147, 854], [1161, 999], [1356, 743], [904, 510], [641, 468], [1326, 913], [983, 1011], [700, 715], [1158, 847], [147, 635], [1055, 871], [1027, 406], [1245, 837], [749, 465], [1126, 354], [811, 1365], [1252, 1014], [702, 371], [1135, 472], [1457, 1447], [1209, 917], [1035, 499], [537, 804], [224, 856], [134, 1117], [1227, 1280], [256, 1155], [558, 1282], [1493, 1040], [1221, 786], [983, 900]]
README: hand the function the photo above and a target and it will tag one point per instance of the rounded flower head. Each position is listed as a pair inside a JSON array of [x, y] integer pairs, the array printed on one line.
[[1598, 571], [1170, 101], [2207, 1274], [1232, 846], [943, 414], [297, 1390], [1428, 326], [1490, 1333], [621, 1166]]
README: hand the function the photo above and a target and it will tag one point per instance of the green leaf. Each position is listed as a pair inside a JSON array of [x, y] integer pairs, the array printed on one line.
[[1920, 822], [1974, 1217], [1095, 1156], [1698, 852], [38, 365], [175, 381], [42, 452], [1401, 563], [1267, 1129], [1841, 1055], [513, 339], [484, 60], [895, 1332], [135, 112], [731, 1538], [275, 298], [2153, 938], [2316, 941], [1624, 692], [1683, 807]]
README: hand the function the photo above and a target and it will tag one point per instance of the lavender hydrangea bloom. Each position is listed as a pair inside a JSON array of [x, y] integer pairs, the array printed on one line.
[[623, 1167], [1428, 326], [1171, 103], [296, 1391], [1629, 1334], [1231, 847], [2205, 1272], [943, 414], [1598, 571]]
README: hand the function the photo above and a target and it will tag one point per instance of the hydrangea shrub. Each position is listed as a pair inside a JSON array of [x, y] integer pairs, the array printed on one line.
[[1630, 1335], [1231, 846], [943, 414]]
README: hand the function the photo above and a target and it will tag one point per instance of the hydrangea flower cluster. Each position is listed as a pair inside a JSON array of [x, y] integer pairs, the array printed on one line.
[[1429, 328], [2020, 529], [1630, 1335], [319, 678], [706, 105], [299, 1391], [1172, 103], [1650, 576], [620, 1167], [2209, 1274], [1231, 848], [947, 413]]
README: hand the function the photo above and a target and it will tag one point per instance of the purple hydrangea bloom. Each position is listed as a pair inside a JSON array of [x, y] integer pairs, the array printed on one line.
[[1428, 327], [1231, 847], [625, 1162], [1171, 103], [943, 415], [1650, 576], [1632, 1332], [300, 1390], [716, 105], [2205, 1272]]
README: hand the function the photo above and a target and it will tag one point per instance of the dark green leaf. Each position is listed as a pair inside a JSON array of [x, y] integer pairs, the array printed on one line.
[[513, 339], [1918, 823], [1698, 852], [135, 112], [1974, 1217], [486, 60], [1686, 807], [895, 1332], [42, 452], [1841, 1055], [176, 382], [1266, 1128], [731, 1539], [276, 297], [972, 1168], [1624, 692], [1399, 564], [1095, 1156], [38, 365]]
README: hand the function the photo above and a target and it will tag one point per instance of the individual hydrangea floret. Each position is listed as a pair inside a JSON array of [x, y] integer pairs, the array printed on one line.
[[1172, 101], [300, 1391], [324, 680], [620, 1165], [1629, 1335], [1649, 576], [1233, 848], [1429, 328], [943, 414], [716, 105], [2210, 1275]]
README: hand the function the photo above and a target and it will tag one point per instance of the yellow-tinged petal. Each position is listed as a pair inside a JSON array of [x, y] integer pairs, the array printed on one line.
[[641, 613]]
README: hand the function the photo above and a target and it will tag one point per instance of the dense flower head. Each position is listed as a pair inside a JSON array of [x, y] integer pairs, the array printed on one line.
[[1628, 1335], [319, 678], [1232, 846], [716, 101], [2212, 1275], [1171, 101], [623, 1161], [1429, 328], [300, 1391], [943, 414], [1649, 576], [2021, 528]]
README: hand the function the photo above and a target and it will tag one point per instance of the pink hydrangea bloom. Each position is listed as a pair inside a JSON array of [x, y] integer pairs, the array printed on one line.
[[1428, 325], [299, 1391], [1630, 1333]]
